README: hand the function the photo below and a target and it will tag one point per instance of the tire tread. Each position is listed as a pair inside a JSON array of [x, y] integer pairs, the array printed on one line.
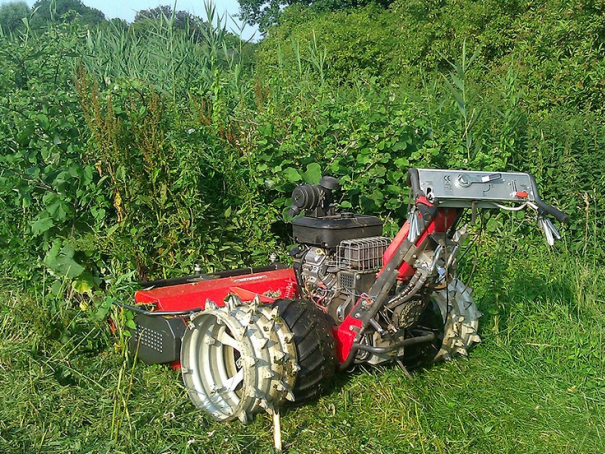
[[315, 347]]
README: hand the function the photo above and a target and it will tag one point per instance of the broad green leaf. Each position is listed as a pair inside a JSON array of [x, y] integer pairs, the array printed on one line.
[[41, 225], [70, 267], [402, 163], [43, 120], [291, 175], [60, 260], [56, 288], [84, 283], [399, 146], [362, 159], [59, 210], [313, 173]]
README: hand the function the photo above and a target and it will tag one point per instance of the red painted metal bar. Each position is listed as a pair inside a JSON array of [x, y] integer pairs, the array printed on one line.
[[345, 333]]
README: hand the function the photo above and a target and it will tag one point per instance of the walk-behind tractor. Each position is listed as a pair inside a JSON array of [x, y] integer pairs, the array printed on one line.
[[250, 340]]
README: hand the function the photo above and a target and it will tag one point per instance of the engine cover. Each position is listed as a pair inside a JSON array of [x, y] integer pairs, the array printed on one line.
[[329, 231]]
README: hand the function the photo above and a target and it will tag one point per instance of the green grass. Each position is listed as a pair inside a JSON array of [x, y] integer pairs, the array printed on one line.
[[536, 384]]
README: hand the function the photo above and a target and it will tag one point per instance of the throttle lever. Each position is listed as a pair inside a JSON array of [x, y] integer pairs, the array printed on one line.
[[550, 232]]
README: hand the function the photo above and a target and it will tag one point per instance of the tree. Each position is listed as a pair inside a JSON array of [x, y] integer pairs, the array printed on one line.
[[12, 15], [49, 10], [182, 19], [195, 26], [265, 13]]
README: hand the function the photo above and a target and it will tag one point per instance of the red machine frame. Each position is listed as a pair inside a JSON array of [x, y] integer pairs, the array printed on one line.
[[281, 283]]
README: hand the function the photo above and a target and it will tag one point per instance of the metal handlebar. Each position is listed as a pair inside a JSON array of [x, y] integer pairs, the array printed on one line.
[[545, 207], [413, 181], [464, 189]]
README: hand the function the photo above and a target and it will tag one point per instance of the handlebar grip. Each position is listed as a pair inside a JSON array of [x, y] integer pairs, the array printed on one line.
[[559, 215]]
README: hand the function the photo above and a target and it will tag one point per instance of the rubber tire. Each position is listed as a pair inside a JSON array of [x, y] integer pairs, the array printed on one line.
[[315, 348]]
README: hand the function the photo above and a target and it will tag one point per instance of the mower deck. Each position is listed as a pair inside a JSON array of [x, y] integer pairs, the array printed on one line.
[[268, 285]]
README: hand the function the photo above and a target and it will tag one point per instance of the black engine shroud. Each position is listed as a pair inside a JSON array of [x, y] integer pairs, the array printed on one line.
[[329, 231]]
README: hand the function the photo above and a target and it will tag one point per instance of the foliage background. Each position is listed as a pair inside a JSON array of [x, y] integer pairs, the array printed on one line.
[[133, 152]]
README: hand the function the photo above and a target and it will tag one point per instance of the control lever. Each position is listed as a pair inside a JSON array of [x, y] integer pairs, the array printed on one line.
[[414, 231], [550, 232]]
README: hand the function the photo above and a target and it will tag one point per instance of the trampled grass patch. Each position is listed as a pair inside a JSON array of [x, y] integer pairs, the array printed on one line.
[[536, 384]]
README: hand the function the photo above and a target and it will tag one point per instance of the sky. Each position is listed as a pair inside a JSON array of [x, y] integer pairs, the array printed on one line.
[[126, 9]]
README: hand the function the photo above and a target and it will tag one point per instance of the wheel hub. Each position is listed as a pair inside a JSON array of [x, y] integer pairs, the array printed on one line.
[[238, 360]]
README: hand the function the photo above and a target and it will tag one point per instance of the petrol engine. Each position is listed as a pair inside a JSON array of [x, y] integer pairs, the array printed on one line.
[[338, 254]]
